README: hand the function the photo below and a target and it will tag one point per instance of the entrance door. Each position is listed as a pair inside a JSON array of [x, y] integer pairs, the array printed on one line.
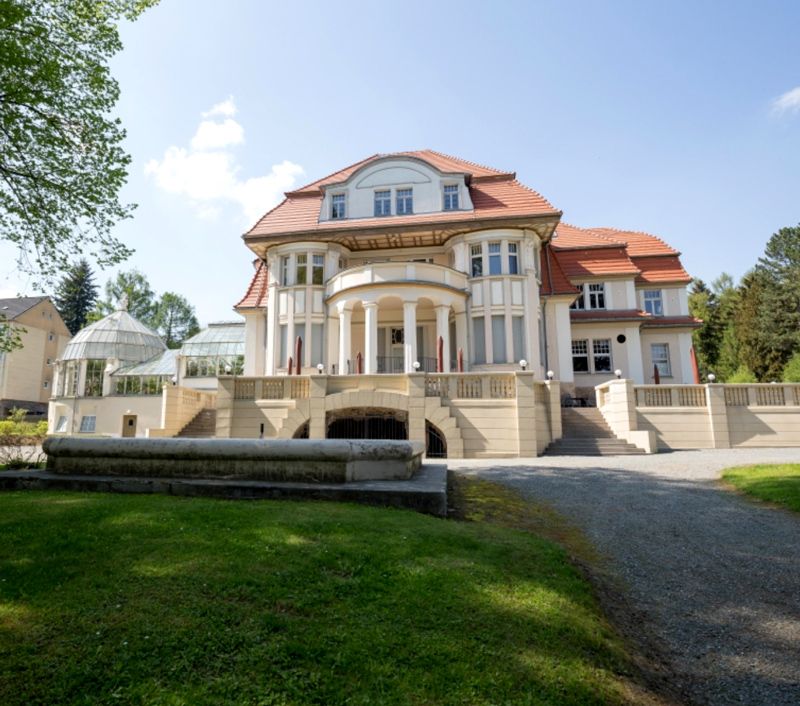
[[128, 425]]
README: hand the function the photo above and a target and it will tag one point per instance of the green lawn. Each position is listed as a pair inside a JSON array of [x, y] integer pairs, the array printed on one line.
[[778, 483], [114, 599]]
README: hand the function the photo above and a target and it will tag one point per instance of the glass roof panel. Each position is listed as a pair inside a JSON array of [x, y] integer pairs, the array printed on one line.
[[219, 339]]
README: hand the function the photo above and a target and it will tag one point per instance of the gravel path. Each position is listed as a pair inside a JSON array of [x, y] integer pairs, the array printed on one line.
[[714, 577]]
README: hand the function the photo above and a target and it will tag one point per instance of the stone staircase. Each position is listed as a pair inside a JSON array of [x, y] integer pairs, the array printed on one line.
[[438, 414], [202, 426], [585, 433]]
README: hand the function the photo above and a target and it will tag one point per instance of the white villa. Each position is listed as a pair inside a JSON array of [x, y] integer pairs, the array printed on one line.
[[415, 295]]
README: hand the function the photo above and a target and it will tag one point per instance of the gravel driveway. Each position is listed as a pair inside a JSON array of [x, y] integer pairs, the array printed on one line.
[[712, 578]]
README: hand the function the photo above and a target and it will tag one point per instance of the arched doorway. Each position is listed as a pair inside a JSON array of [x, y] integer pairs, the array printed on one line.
[[367, 423], [435, 443], [302, 432]]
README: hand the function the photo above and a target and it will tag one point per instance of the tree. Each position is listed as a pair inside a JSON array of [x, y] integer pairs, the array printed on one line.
[[742, 374], [140, 295], [175, 319], [791, 373], [61, 159], [703, 304], [76, 296]]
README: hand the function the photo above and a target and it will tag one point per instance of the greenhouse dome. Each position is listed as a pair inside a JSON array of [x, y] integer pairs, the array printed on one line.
[[118, 335]]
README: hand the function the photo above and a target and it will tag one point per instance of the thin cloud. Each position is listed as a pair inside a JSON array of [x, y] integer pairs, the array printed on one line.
[[207, 172], [788, 103]]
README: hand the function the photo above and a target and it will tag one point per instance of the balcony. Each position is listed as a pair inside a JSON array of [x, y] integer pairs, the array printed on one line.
[[394, 272]]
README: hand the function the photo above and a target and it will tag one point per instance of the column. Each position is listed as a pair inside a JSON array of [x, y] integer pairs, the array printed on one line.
[[370, 338], [290, 334], [410, 335], [345, 318], [273, 331], [443, 330]]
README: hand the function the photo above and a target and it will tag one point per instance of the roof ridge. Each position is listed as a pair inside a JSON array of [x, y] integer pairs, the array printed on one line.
[[465, 161], [334, 173], [641, 232]]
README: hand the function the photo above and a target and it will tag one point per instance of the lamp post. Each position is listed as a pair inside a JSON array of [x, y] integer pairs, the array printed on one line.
[[320, 368], [523, 364], [618, 373], [416, 366], [550, 374], [711, 377]]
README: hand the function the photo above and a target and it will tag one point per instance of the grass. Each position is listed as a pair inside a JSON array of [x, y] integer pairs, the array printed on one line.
[[778, 483], [117, 599]]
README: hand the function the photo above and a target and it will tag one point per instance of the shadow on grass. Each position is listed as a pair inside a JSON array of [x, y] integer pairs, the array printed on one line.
[[153, 599]]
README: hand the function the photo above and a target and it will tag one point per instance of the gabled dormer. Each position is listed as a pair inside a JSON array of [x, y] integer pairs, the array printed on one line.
[[395, 186]]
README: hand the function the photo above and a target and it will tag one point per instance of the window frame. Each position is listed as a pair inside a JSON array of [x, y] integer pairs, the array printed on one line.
[[593, 296], [404, 201], [495, 252], [476, 256], [338, 206], [385, 208], [602, 354], [93, 424], [513, 256], [317, 265], [658, 362], [659, 300], [580, 354], [297, 265], [450, 193]]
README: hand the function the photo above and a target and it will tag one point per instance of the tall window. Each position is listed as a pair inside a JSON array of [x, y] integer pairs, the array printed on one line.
[[316, 344], [659, 352], [405, 202], [499, 354], [451, 197], [597, 296], [601, 350], [518, 332], [476, 256], [479, 338], [653, 303], [94, 378], [383, 203], [317, 268], [338, 206], [300, 269], [284, 335], [580, 356], [285, 270], [580, 302], [88, 424], [513, 263], [495, 268]]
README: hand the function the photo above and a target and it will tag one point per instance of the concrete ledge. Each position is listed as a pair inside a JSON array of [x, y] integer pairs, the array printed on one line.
[[425, 492], [283, 460]]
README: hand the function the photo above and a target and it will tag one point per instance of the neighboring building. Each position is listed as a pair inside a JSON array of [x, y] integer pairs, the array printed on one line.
[[26, 373], [381, 259]]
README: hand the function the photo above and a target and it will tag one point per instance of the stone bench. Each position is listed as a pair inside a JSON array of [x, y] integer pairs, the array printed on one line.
[[283, 460]]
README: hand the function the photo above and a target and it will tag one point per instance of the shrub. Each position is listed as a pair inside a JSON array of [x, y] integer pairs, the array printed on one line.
[[791, 373], [20, 442], [742, 374]]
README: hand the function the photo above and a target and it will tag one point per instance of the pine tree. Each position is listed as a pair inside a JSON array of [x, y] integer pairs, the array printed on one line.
[[175, 319], [76, 295], [140, 296], [703, 305]]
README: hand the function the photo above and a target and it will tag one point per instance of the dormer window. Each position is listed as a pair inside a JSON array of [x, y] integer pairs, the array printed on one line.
[[405, 202], [451, 197], [338, 206], [383, 203]]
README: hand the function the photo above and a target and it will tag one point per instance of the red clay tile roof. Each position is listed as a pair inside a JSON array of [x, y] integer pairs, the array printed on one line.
[[639, 243], [494, 194], [568, 236], [256, 295], [673, 321], [595, 262], [554, 281], [659, 269], [442, 162], [595, 315]]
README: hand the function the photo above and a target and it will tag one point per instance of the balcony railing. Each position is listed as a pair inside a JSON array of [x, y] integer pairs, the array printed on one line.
[[385, 272]]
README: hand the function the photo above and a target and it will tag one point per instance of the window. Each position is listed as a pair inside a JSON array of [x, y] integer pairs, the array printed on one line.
[[499, 339], [46, 384], [601, 350], [317, 268], [494, 259], [88, 424], [659, 352], [50, 336], [597, 296], [61, 424], [513, 263], [72, 379], [476, 252], [383, 203], [580, 356], [285, 270], [284, 357], [316, 344], [49, 361], [94, 378], [580, 302], [300, 268], [338, 206], [405, 202], [653, 303], [518, 334], [451, 197], [397, 336], [479, 331]]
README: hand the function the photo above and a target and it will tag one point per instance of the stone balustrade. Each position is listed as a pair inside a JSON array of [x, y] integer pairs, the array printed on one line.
[[379, 272]]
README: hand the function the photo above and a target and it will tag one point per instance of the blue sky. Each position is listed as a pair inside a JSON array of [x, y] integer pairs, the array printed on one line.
[[652, 116]]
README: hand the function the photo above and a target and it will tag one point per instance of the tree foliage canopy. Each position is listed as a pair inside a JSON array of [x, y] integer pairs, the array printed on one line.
[[76, 296], [61, 159], [135, 287], [175, 319]]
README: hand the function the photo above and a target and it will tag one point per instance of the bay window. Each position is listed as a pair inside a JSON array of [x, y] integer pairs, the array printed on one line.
[[513, 267], [301, 262], [495, 268], [476, 254]]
